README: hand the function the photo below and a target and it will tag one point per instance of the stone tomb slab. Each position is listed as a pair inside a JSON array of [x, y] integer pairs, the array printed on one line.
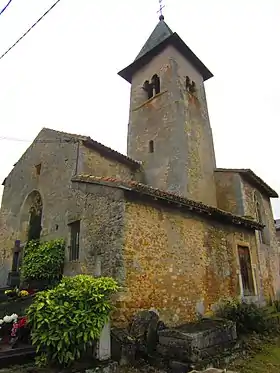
[[195, 342]]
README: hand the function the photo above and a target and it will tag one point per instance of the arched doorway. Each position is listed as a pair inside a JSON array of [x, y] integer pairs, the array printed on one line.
[[30, 229], [31, 217]]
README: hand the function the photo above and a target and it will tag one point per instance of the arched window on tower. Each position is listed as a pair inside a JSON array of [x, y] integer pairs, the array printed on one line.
[[148, 88], [190, 85], [156, 83], [152, 88]]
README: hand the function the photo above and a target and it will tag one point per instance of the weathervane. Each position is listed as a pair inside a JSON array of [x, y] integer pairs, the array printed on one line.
[[161, 17]]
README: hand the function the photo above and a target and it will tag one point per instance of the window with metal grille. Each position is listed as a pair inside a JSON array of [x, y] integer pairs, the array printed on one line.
[[74, 240], [246, 270]]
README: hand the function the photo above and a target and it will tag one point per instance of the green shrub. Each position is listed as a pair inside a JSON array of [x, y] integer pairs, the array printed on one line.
[[66, 320], [43, 260], [247, 316]]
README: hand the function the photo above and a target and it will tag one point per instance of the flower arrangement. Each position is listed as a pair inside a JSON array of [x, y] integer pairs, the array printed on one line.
[[17, 325], [11, 293], [8, 319], [14, 329], [18, 293], [23, 293]]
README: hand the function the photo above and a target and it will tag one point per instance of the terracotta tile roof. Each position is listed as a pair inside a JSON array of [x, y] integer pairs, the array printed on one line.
[[102, 149], [170, 198], [253, 179]]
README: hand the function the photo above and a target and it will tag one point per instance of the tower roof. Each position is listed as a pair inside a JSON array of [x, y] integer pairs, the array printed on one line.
[[161, 32], [160, 38]]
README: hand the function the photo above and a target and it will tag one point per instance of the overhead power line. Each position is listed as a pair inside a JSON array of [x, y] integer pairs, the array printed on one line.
[[40, 19], [5, 7], [69, 140]]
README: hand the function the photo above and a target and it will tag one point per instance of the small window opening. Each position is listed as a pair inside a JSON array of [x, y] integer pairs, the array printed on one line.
[[152, 88], [156, 83], [148, 88], [74, 240], [190, 85], [56, 227], [246, 270], [259, 219], [151, 146], [38, 168]]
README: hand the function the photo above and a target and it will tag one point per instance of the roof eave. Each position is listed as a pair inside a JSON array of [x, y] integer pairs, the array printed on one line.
[[227, 218], [128, 72]]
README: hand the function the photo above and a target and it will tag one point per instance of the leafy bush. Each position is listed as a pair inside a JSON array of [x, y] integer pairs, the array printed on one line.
[[66, 320], [248, 316], [43, 260]]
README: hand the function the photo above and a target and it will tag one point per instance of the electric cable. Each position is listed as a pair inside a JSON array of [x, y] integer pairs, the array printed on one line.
[[40, 19], [5, 7]]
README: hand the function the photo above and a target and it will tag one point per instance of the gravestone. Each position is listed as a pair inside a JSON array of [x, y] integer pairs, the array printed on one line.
[[144, 330], [14, 275], [103, 348], [195, 342]]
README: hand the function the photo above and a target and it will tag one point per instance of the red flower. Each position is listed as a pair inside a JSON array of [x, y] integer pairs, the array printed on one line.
[[22, 322]]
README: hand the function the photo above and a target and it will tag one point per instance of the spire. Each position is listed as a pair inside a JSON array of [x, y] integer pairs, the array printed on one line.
[[160, 38], [161, 32]]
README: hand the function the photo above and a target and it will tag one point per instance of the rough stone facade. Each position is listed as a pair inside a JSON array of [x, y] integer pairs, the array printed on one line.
[[268, 247], [185, 164], [177, 263], [239, 196], [61, 156], [229, 192]]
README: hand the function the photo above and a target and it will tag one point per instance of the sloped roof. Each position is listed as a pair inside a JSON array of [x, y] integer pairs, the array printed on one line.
[[171, 199], [162, 36], [253, 179], [161, 32], [102, 149]]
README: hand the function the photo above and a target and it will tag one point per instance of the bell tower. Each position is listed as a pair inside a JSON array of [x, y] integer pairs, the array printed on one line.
[[169, 129]]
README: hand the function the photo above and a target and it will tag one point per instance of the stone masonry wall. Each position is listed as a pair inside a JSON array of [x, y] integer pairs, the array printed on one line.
[[229, 192], [268, 253], [102, 221], [177, 122], [62, 204], [92, 163], [178, 263]]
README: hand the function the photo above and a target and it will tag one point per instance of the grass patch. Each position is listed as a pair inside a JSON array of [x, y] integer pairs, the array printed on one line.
[[266, 360]]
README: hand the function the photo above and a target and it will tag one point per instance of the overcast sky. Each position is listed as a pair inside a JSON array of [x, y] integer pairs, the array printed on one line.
[[63, 75]]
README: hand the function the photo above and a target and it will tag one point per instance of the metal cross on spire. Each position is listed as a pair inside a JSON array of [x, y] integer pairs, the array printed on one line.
[[161, 17]]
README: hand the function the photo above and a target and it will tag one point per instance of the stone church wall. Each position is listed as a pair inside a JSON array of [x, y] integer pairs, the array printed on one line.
[[62, 204], [229, 194], [268, 251], [57, 161], [92, 163], [178, 263]]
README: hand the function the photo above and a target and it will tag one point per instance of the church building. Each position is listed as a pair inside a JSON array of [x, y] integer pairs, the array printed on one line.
[[177, 232]]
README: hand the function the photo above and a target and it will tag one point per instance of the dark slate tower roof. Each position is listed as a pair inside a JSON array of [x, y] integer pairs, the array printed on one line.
[[161, 37], [161, 32]]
